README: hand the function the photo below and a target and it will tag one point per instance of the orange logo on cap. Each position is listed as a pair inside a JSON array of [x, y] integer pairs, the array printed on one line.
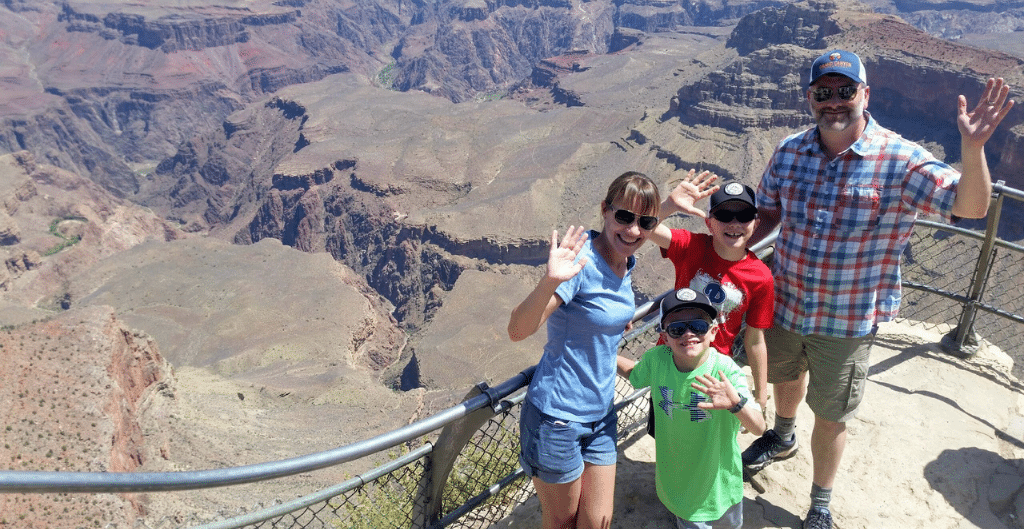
[[834, 56]]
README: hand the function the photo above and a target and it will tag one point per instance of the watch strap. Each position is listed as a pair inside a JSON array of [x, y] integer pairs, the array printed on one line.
[[739, 405]]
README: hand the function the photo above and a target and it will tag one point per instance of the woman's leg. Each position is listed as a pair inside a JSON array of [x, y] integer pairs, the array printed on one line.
[[559, 503], [597, 497]]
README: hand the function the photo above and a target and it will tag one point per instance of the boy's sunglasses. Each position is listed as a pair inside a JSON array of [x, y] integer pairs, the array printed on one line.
[[679, 328], [743, 215], [824, 93], [626, 217]]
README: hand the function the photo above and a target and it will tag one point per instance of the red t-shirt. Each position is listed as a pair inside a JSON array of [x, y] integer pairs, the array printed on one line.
[[736, 288]]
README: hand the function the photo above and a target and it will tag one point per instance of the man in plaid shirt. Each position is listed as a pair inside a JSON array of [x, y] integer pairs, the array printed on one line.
[[846, 194]]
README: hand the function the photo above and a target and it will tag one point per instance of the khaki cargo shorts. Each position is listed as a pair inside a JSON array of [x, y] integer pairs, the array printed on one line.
[[837, 369]]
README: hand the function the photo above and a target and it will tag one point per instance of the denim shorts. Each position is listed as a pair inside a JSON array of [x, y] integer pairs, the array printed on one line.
[[555, 450]]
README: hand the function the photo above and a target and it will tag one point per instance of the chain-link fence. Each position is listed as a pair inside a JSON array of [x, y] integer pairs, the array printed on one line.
[[484, 484], [967, 284], [460, 467]]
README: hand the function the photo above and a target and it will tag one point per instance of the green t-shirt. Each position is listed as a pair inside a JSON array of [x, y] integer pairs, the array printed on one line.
[[698, 470]]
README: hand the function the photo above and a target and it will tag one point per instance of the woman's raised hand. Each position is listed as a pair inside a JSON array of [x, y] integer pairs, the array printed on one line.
[[562, 263]]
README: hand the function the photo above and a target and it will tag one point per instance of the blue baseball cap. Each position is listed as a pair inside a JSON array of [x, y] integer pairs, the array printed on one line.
[[841, 62]]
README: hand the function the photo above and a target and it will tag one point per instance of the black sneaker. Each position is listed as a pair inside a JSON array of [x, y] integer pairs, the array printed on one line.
[[766, 449], [818, 519]]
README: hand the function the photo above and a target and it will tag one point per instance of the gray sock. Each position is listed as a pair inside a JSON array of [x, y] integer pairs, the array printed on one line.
[[784, 427], [820, 497]]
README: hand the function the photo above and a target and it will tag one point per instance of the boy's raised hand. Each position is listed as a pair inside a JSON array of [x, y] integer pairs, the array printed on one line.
[[562, 264], [693, 188], [720, 391]]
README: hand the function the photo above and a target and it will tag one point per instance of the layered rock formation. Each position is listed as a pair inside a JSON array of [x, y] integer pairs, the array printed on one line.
[[913, 77], [111, 88], [75, 390]]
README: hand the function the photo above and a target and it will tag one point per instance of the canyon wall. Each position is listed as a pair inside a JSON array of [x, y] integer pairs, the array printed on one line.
[[75, 389]]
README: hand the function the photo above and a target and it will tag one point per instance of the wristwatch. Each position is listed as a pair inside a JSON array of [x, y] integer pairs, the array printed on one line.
[[739, 405]]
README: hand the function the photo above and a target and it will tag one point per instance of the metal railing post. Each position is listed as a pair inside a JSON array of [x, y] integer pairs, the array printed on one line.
[[962, 341]]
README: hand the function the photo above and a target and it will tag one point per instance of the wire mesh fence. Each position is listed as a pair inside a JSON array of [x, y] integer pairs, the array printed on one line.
[[940, 267], [488, 464]]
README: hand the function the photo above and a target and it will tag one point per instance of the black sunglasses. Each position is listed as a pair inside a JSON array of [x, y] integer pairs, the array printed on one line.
[[626, 217], [743, 215], [679, 328], [824, 93]]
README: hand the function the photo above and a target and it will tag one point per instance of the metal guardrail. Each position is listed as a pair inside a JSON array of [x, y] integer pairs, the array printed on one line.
[[469, 475]]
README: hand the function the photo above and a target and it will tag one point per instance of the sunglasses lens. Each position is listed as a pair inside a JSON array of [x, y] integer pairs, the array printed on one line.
[[624, 217], [746, 215], [679, 328], [724, 215], [699, 327], [648, 222], [846, 93], [824, 93]]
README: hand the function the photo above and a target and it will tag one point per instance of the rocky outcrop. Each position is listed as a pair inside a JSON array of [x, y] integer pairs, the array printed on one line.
[[487, 51], [77, 387], [764, 88], [216, 177], [804, 24], [9, 232], [172, 33], [659, 15], [123, 83], [744, 96], [59, 138], [66, 224]]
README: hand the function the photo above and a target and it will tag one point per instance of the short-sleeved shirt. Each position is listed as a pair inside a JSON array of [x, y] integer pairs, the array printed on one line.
[[740, 290], [845, 223], [698, 459], [575, 378]]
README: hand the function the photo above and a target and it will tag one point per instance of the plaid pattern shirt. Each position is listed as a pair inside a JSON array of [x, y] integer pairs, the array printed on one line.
[[845, 223]]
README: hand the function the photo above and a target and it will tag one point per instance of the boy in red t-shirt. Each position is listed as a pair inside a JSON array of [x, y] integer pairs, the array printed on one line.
[[719, 265]]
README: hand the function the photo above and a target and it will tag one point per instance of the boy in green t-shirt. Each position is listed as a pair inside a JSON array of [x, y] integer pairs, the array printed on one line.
[[694, 388]]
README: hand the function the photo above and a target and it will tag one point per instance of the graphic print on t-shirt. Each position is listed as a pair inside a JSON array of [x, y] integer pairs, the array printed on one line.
[[724, 296], [696, 413]]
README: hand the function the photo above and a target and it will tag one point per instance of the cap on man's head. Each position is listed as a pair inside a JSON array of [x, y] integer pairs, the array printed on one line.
[[732, 191], [685, 298], [841, 62]]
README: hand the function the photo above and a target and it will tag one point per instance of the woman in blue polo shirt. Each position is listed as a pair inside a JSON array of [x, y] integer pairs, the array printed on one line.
[[568, 424]]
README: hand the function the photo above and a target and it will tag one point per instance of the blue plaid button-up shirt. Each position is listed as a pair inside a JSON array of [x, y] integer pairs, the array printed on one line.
[[845, 223]]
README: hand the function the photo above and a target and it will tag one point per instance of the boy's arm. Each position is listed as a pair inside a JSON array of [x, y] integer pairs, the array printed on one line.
[[723, 396], [757, 355], [624, 366], [752, 418]]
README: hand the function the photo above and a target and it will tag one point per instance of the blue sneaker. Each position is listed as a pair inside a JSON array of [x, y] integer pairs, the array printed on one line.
[[766, 449], [818, 519]]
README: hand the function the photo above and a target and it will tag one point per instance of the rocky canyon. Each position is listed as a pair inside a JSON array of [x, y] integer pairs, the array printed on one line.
[[248, 230]]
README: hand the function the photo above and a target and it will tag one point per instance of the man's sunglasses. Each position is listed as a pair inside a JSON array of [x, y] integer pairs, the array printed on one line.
[[626, 217], [679, 328], [824, 93], [743, 215]]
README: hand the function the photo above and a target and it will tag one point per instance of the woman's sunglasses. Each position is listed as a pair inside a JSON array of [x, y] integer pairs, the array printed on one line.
[[679, 328], [824, 93], [743, 215], [626, 217]]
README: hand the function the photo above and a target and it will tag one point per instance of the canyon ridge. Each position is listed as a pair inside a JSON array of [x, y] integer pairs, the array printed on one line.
[[247, 231]]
